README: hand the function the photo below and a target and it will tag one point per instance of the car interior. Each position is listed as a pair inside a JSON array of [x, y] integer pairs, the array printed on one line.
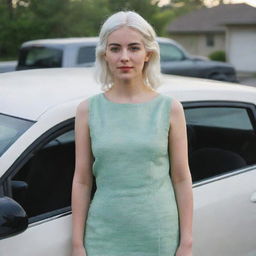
[[213, 151]]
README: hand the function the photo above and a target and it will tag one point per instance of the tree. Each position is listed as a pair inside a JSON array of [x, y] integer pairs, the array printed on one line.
[[10, 7], [23, 20], [87, 16]]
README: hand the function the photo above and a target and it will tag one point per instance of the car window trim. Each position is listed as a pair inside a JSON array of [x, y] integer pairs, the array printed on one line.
[[251, 110], [223, 176], [49, 216], [20, 118]]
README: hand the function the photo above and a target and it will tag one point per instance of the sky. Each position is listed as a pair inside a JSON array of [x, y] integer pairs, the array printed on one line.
[[211, 2]]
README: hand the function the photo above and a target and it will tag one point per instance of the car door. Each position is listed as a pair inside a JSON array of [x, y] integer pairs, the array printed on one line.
[[225, 215], [47, 168], [222, 146]]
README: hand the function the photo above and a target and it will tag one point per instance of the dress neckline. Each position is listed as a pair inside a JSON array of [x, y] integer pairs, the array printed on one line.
[[130, 104]]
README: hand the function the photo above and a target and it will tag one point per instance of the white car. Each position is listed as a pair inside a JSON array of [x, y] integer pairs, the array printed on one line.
[[37, 110]]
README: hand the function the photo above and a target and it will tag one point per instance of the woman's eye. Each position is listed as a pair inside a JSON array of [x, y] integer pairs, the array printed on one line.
[[135, 48], [114, 49]]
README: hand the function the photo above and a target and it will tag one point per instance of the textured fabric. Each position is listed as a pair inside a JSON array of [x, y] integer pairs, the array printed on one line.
[[134, 211]]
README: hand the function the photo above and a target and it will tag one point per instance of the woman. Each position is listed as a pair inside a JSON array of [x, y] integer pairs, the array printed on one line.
[[133, 140]]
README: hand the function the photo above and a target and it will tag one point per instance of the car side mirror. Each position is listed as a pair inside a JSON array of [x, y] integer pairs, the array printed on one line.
[[13, 218]]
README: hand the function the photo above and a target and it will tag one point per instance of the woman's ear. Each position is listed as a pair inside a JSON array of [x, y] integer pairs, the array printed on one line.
[[148, 56], [104, 56]]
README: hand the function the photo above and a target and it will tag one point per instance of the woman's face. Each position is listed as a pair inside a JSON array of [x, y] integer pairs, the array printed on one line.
[[126, 54]]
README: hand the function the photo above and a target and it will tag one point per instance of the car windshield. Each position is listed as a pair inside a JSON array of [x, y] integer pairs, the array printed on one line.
[[11, 128], [40, 57]]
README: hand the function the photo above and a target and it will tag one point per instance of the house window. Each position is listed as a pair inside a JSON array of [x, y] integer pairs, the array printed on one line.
[[210, 40]]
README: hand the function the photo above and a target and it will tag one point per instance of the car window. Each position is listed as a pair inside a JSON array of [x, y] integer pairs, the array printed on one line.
[[220, 139], [170, 52], [44, 183], [86, 54], [236, 118], [40, 57], [11, 128]]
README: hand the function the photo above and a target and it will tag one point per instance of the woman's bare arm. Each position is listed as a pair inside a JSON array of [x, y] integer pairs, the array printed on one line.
[[180, 174], [82, 181]]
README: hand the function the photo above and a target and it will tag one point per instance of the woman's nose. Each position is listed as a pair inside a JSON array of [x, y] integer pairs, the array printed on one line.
[[124, 55]]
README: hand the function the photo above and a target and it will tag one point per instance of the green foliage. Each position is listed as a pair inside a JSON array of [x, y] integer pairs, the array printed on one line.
[[218, 56], [23, 20]]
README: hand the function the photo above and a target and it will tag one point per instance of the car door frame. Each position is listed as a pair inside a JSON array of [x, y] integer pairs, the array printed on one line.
[[27, 154]]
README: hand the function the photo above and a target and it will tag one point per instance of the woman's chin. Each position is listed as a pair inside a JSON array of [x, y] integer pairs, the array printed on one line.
[[125, 77]]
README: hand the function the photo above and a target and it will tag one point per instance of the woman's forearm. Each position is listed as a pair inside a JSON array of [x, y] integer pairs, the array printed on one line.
[[184, 197], [81, 195]]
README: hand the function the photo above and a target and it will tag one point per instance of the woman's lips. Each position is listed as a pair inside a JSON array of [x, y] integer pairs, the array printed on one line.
[[125, 68]]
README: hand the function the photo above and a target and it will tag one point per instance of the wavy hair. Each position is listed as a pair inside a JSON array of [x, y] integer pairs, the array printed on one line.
[[151, 71]]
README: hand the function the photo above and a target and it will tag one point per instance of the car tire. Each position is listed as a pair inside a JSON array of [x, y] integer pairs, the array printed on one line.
[[219, 77]]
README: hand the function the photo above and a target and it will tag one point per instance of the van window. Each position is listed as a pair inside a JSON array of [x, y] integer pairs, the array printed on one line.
[[86, 54], [40, 57]]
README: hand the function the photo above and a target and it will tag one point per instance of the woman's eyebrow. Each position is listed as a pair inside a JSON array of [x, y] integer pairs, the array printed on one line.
[[131, 44], [114, 44]]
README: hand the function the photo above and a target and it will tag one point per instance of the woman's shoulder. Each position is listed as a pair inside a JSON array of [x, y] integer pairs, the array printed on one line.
[[174, 104], [170, 99], [85, 104], [82, 109]]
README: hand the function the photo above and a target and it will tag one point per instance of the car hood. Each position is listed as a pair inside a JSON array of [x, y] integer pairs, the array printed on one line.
[[28, 94]]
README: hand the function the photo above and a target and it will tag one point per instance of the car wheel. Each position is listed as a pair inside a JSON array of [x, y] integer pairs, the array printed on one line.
[[218, 76]]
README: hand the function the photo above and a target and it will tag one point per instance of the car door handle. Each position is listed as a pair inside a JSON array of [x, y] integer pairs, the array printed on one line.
[[253, 197]]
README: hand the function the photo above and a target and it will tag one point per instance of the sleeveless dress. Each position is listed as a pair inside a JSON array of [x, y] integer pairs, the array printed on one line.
[[134, 210]]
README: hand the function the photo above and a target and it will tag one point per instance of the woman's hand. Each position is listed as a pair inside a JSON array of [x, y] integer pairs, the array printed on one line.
[[184, 250], [79, 251]]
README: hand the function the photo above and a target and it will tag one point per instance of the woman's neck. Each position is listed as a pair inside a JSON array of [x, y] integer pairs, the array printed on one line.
[[129, 88]]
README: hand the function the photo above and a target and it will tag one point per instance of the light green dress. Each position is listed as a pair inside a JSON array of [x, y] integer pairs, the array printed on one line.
[[134, 211]]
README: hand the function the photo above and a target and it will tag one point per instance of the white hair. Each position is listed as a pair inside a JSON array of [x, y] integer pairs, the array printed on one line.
[[151, 71]]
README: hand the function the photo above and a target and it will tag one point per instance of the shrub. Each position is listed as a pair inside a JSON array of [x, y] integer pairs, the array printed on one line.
[[218, 56]]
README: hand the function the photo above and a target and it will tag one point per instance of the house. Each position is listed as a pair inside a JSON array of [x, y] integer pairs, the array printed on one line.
[[227, 27]]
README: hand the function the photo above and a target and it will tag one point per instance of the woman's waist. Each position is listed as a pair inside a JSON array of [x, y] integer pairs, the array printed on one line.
[[155, 203], [141, 195], [133, 188]]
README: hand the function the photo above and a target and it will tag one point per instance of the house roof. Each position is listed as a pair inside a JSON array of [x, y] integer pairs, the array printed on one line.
[[214, 19]]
